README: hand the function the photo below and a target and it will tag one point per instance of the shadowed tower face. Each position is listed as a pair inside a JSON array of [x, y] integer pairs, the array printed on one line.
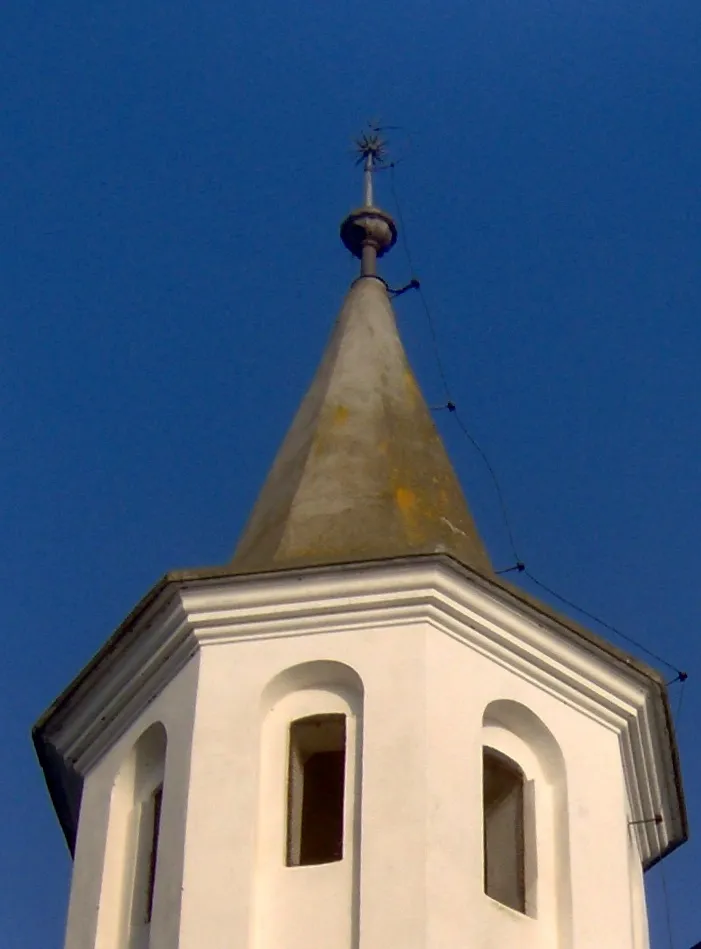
[[362, 473]]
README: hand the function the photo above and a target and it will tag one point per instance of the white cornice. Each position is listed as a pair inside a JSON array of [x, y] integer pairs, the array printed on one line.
[[125, 683], [203, 612]]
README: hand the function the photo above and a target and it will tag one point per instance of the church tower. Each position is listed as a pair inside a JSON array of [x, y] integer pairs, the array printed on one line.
[[355, 735]]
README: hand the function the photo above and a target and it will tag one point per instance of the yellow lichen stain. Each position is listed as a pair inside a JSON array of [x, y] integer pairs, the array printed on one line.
[[406, 500], [340, 414], [324, 440], [411, 385], [415, 512]]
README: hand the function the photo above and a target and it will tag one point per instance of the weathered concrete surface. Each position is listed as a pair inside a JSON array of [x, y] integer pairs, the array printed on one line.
[[362, 473]]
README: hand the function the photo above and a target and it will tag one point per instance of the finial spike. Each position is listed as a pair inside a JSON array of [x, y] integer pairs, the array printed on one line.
[[368, 233], [367, 182]]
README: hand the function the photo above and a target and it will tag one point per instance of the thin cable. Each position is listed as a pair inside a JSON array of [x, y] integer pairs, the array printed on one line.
[[410, 261], [450, 404], [453, 409], [518, 566], [680, 700], [563, 599], [436, 347], [497, 487], [402, 225]]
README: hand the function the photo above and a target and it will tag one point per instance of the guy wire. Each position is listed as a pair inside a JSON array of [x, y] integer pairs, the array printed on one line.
[[518, 566]]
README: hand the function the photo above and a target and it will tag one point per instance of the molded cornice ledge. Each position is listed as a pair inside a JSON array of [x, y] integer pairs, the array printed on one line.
[[201, 609]]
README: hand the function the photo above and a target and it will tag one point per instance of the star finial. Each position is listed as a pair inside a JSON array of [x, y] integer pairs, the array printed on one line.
[[372, 151]]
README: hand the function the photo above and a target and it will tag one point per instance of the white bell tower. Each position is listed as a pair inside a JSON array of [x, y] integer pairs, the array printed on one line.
[[355, 735]]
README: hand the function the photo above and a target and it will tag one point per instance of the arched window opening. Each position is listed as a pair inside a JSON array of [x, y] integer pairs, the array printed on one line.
[[147, 855], [148, 780], [504, 845], [316, 790], [130, 882]]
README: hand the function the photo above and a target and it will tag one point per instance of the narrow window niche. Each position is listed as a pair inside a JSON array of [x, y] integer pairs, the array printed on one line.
[[315, 790], [504, 846], [147, 856]]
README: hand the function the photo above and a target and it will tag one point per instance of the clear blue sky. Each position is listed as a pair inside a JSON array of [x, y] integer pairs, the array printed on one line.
[[173, 175]]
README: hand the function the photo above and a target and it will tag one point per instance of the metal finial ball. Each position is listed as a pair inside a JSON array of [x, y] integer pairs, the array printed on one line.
[[369, 227]]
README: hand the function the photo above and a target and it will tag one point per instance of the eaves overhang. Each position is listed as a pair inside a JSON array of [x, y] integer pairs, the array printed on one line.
[[191, 609]]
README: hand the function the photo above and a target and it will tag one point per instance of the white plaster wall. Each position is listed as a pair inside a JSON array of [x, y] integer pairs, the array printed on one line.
[[296, 907], [96, 908], [421, 881], [414, 875], [640, 930], [461, 683], [542, 866], [222, 840]]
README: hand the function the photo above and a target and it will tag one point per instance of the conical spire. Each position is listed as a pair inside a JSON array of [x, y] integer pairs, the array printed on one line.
[[362, 473]]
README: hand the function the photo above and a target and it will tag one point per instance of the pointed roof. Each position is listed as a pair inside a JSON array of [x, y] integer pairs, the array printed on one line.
[[362, 473]]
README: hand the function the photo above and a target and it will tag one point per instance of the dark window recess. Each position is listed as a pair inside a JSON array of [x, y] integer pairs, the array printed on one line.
[[153, 818], [316, 787], [504, 856]]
